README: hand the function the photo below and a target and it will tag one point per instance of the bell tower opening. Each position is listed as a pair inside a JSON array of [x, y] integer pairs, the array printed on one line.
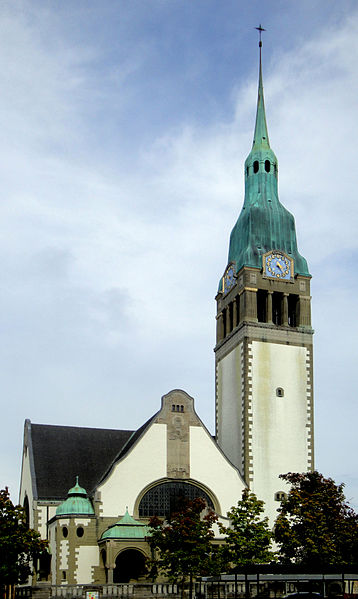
[[261, 305], [277, 299], [293, 310]]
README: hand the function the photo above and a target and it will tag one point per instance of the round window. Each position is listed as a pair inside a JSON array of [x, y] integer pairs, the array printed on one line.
[[80, 531], [65, 531]]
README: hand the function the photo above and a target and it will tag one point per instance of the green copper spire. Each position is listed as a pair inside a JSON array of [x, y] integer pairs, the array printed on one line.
[[264, 223], [261, 138]]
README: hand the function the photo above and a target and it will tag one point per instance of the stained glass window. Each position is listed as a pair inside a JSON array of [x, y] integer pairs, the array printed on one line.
[[164, 499]]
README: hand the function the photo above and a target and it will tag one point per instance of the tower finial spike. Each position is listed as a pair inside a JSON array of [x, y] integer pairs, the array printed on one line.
[[260, 29]]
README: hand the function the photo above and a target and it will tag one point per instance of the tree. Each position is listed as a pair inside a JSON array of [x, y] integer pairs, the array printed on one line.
[[248, 538], [315, 526], [19, 545], [184, 541]]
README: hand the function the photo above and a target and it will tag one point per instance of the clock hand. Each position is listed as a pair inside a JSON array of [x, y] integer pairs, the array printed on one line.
[[280, 266]]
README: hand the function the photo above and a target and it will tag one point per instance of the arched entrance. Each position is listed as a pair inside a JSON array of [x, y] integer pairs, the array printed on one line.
[[130, 565]]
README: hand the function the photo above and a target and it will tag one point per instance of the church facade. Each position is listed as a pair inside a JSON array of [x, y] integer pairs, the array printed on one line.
[[91, 492]]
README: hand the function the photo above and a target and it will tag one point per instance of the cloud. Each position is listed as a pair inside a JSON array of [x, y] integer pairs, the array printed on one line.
[[113, 239]]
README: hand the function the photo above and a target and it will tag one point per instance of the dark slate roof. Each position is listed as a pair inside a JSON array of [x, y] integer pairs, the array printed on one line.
[[60, 453]]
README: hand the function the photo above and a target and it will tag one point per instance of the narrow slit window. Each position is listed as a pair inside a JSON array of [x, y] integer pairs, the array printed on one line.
[[256, 166], [267, 166]]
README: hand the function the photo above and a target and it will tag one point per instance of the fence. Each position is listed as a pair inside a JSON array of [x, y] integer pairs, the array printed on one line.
[[236, 586], [92, 591]]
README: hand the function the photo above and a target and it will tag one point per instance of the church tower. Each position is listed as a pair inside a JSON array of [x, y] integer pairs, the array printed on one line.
[[263, 353]]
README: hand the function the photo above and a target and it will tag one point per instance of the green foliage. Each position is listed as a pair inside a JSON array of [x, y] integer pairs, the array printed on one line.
[[315, 525], [183, 541], [248, 538], [19, 545]]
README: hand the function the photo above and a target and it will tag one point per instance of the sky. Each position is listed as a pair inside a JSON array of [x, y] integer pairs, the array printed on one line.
[[124, 129]]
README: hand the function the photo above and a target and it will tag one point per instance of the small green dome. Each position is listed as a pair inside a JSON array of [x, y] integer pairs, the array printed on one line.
[[77, 490], [77, 502], [126, 528]]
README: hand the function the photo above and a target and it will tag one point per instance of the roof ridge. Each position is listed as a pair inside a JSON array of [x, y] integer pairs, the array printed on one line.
[[90, 428]]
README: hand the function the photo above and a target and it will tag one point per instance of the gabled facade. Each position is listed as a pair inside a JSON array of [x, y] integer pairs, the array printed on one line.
[[98, 531]]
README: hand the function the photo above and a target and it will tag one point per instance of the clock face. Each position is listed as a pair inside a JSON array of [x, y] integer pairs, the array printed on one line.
[[229, 278], [278, 266]]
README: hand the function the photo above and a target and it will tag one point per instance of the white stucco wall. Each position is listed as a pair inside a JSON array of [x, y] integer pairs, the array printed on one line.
[[52, 511], [86, 559], [279, 432], [229, 405], [209, 467], [26, 486], [143, 464]]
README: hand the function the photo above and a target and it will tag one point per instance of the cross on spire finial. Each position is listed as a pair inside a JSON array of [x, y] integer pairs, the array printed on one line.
[[260, 29]]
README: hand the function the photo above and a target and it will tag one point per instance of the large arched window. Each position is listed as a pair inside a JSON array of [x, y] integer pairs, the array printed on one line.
[[164, 498]]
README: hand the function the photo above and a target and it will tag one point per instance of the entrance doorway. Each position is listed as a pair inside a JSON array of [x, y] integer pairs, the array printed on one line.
[[130, 565]]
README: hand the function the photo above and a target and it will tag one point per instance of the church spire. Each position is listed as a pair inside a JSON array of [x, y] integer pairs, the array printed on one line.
[[261, 138], [261, 165], [264, 223]]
